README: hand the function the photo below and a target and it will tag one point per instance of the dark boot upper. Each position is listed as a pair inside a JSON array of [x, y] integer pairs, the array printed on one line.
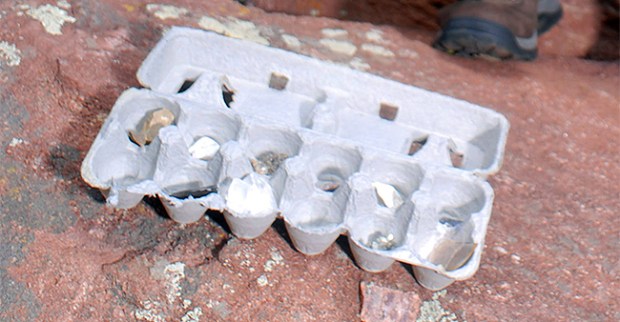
[[519, 16]]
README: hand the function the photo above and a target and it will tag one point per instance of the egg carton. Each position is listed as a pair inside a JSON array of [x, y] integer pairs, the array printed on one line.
[[260, 133]]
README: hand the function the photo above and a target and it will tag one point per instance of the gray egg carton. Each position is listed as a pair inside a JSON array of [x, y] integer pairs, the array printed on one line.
[[398, 169]]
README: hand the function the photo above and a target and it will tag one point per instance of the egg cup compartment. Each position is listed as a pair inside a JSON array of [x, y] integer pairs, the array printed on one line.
[[380, 208], [448, 227], [185, 181], [115, 164], [252, 183], [316, 193]]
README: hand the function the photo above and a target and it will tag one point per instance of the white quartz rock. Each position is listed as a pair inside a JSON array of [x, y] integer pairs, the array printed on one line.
[[251, 196], [204, 148], [387, 195]]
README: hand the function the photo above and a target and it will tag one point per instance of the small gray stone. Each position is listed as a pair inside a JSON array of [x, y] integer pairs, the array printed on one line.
[[268, 162]]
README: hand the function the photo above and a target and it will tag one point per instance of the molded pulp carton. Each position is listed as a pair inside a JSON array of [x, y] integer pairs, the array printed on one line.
[[258, 132]]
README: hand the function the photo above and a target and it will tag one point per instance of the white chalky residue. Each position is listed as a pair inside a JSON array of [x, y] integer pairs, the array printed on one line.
[[359, 64], [64, 4], [432, 311], [291, 41], [276, 256], [262, 281], [377, 50], [235, 28], [174, 273], [244, 29], [211, 304], [334, 32], [15, 142], [150, 311], [501, 250], [186, 303], [9, 54], [227, 287], [276, 259], [375, 35], [164, 11], [268, 267], [51, 17], [212, 24], [408, 53], [192, 316], [339, 46]]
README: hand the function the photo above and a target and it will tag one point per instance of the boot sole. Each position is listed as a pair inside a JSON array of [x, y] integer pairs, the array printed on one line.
[[478, 37]]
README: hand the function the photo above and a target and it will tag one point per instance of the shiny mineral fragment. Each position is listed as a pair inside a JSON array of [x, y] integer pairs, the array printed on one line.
[[267, 163], [380, 241]]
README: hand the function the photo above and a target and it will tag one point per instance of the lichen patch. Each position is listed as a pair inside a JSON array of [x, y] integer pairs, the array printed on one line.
[[174, 273], [51, 17], [359, 64], [375, 35], [64, 4], [334, 32], [9, 54], [291, 41], [164, 11], [149, 311], [432, 310], [377, 50], [192, 316], [339, 46], [235, 28]]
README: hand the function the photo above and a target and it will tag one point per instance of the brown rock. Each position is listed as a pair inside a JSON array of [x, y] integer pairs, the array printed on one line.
[[150, 125], [388, 112], [278, 81], [386, 304]]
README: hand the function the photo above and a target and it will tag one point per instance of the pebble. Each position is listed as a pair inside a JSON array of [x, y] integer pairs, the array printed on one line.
[[385, 304], [149, 126]]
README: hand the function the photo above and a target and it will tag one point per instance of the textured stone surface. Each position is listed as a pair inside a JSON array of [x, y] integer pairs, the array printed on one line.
[[385, 304], [552, 245]]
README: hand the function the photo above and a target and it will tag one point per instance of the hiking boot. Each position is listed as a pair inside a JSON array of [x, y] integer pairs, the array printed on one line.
[[504, 29], [549, 13]]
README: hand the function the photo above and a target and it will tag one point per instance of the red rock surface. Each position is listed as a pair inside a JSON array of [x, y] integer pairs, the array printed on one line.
[[552, 245]]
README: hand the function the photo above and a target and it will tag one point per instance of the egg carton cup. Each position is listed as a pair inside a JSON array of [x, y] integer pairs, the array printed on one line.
[[330, 150]]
